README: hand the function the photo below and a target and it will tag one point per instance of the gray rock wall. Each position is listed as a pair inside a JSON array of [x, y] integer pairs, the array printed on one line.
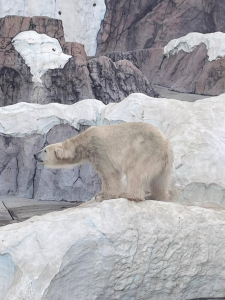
[[23, 176]]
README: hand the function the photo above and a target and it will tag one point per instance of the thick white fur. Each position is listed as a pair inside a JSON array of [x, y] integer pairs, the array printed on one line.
[[137, 150]]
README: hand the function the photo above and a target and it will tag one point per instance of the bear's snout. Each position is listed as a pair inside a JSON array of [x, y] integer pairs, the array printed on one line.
[[37, 157]]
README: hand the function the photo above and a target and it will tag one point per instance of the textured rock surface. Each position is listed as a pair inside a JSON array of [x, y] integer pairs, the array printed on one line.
[[15, 76], [195, 64], [112, 82], [193, 73], [133, 25], [115, 250], [10, 26], [81, 19], [21, 175], [191, 64], [148, 61], [53, 81], [196, 131]]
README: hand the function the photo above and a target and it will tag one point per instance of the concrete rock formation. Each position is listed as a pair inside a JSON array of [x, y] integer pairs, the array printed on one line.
[[58, 77], [112, 82], [131, 25], [193, 73], [196, 132], [194, 64], [190, 64], [115, 250]]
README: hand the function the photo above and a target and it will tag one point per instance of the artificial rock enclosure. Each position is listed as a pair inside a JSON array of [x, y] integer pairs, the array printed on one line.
[[65, 66]]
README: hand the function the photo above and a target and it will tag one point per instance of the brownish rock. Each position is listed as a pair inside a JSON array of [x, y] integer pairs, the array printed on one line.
[[15, 77], [134, 25], [192, 73], [51, 27], [148, 61], [112, 82], [74, 49], [98, 78], [10, 26], [68, 85], [183, 72]]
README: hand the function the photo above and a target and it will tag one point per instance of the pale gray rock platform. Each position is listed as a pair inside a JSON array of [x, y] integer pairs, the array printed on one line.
[[14, 210], [118, 250]]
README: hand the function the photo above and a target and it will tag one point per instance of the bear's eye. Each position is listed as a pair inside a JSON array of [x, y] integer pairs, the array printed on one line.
[[45, 151]]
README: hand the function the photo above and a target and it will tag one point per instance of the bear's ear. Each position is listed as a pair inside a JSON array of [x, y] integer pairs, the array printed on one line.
[[68, 154], [59, 153]]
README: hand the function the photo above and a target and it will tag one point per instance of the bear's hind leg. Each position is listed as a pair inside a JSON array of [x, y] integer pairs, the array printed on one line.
[[135, 186], [160, 186]]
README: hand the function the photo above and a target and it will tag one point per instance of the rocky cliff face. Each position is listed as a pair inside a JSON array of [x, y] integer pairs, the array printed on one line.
[[190, 64], [44, 74], [133, 25]]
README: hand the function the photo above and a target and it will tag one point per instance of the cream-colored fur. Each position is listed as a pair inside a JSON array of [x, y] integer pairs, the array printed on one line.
[[137, 150]]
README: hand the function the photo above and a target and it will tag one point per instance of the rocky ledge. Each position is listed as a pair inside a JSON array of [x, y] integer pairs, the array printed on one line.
[[115, 250]]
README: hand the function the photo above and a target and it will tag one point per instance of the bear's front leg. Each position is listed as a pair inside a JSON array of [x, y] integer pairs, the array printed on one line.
[[99, 197]]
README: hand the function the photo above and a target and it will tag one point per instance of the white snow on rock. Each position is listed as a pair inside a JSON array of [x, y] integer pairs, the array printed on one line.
[[81, 18], [215, 44], [115, 250], [40, 52], [196, 131]]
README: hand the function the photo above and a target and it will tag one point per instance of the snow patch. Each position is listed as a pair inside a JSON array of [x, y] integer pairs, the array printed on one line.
[[40, 52], [215, 44]]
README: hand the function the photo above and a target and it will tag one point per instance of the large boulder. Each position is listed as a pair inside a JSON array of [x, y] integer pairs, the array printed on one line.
[[115, 250], [196, 132], [112, 82]]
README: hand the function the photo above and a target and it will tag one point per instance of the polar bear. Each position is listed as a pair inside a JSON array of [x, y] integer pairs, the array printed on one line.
[[136, 149]]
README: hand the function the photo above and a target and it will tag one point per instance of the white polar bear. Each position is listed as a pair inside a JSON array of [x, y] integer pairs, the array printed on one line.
[[137, 150]]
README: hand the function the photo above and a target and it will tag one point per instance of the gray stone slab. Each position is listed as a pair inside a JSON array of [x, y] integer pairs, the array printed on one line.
[[5, 217], [22, 209]]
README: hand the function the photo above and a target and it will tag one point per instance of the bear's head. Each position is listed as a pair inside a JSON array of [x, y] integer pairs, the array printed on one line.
[[55, 156]]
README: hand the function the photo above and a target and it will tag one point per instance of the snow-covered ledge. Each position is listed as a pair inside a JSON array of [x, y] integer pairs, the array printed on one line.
[[40, 52], [115, 250], [215, 44]]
